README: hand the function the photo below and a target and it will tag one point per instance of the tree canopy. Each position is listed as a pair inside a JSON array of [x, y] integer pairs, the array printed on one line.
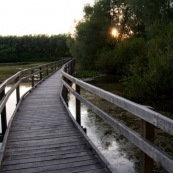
[[33, 48], [141, 51]]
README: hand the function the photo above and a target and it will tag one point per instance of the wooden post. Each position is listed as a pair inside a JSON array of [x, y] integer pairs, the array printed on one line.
[[3, 116], [65, 69], [51, 69], [73, 66], [55, 66], [62, 59], [147, 132], [18, 92], [78, 106], [47, 70], [41, 76], [32, 78], [65, 94]]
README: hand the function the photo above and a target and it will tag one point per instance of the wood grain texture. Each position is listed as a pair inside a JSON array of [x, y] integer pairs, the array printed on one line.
[[43, 138]]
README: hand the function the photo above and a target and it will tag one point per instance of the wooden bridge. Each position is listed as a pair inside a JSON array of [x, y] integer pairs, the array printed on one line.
[[43, 136]]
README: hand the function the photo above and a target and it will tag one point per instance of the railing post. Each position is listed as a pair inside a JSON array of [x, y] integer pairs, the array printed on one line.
[[17, 92], [73, 66], [55, 66], [3, 116], [65, 94], [62, 61], [41, 76], [78, 106], [51, 68], [147, 132], [32, 78], [47, 70]]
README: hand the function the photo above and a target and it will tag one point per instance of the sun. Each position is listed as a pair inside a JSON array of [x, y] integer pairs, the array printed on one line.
[[114, 32]]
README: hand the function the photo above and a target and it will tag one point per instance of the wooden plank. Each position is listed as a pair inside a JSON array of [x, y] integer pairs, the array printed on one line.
[[100, 170], [43, 149], [46, 147], [51, 160], [43, 137], [30, 157], [70, 167]]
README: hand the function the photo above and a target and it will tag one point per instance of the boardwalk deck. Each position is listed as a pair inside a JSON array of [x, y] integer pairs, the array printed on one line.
[[43, 138]]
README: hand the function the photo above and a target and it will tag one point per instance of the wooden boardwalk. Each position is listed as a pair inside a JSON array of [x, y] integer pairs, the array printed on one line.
[[43, 137]]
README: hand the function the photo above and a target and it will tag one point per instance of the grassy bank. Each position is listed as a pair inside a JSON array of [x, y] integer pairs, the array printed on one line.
[[9, 69]]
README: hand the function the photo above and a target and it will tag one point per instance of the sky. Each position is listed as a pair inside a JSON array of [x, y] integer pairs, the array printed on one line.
[[51, 17]]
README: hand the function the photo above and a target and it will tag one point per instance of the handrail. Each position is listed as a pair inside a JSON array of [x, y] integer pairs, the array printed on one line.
[[150, 120], [43, 71], [141, 111]]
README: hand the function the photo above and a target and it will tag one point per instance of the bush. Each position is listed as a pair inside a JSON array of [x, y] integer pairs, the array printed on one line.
[[151, 74], [118, 60]]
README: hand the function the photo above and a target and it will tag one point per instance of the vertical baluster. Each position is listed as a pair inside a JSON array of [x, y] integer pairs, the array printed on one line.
[[62, 61], [32, 78], [18, 91], [47, 70], [147, 132], [51, 68], [65, 94], [55, 66], [3, 116], [78, 106], [41, 76]]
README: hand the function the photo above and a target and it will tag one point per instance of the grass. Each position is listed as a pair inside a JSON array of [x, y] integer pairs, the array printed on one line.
[[9, 69]]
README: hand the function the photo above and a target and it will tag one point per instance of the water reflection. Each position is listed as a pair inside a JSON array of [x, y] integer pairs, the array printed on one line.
[[105, 138], [11, 103]]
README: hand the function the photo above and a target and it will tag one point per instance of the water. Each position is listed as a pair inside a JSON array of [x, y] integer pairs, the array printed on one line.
[[123, 155], [11, 103], [113, 146]]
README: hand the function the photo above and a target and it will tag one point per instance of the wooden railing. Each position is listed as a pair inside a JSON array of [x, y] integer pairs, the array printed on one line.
[[35, 75], [150, 120]]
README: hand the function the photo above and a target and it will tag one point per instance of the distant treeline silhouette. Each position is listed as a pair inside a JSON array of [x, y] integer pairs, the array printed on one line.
[[32, 48]]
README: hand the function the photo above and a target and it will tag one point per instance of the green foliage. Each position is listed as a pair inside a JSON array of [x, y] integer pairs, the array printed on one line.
[[141, 53], [92, 34], [117, 60], [86, 74], [33, 48], [7, 54], [152, 76]]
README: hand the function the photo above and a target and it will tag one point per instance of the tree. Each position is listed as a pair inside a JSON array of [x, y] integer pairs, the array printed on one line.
[[35, 48]]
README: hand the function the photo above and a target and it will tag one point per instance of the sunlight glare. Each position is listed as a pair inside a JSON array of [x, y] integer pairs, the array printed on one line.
[[114, 32]]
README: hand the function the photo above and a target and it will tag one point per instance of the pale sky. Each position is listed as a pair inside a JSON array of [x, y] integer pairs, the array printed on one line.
[[24, 17]]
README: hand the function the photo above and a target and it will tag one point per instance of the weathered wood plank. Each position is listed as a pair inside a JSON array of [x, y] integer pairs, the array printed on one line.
[[70, 167], [45, 147], [51, 160], [41, 153], [43, 138]]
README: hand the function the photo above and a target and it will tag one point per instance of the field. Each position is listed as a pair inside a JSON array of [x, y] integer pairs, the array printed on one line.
[[9, 69]]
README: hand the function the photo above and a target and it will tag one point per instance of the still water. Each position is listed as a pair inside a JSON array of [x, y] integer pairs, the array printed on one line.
[[11, 103], [106, 139]]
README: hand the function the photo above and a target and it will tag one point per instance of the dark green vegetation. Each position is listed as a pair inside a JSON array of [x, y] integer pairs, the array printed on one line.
[[33, 48], [9, 69], [86, 74], [142, 51]]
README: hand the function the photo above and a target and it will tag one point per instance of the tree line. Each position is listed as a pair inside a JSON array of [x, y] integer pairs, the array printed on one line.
[[33, 48], [141, 52]]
